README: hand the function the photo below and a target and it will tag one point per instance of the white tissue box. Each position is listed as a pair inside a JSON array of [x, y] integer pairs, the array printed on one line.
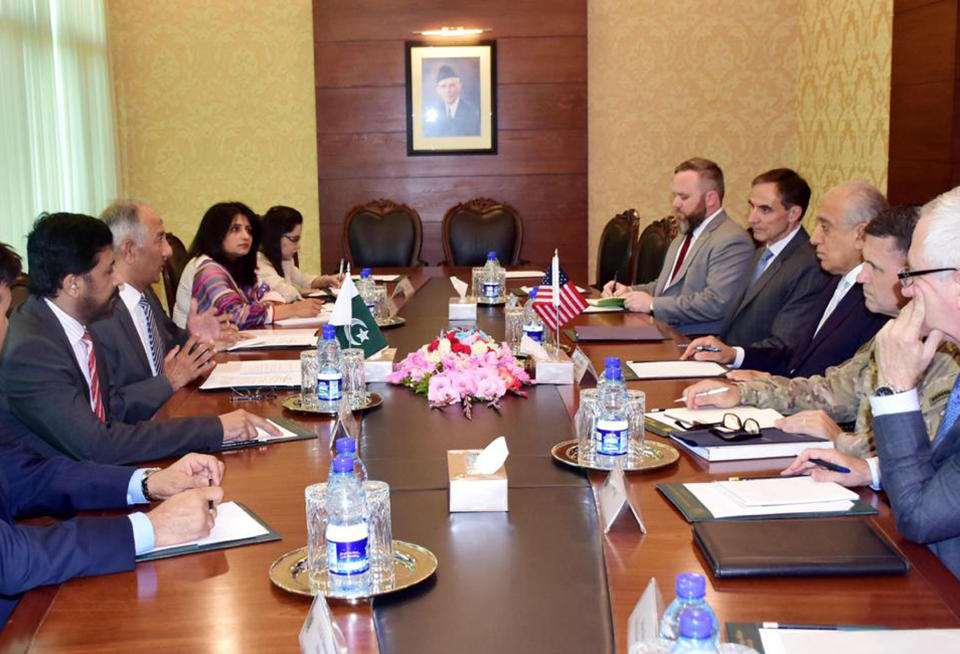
[[558, 369], [473, 492], [377, 367], [465, 311]]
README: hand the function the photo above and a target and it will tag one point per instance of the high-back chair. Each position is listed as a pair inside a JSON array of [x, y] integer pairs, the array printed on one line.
[[382, 233], [172, 269], [652, 249], [472, 229], [617, 252]]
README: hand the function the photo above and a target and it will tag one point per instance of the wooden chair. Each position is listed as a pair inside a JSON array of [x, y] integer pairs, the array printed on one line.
[[382, 233], [652, 249], [617, 252], [172, 269], [474, 228], [18, 293]]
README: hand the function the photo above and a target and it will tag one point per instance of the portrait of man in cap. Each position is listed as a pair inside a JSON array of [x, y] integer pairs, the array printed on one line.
[[452, 114]]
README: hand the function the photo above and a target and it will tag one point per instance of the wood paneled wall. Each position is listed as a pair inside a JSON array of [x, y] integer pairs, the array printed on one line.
[[541, 164], [924, 100]]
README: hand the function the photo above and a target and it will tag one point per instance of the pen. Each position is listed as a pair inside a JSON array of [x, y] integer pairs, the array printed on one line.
[[340, 273], [712, 391], [701, 348], [832, 467], [210, 502]]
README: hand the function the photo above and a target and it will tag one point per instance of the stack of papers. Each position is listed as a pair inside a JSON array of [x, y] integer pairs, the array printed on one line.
[[310, 321], [274, 338], [233, 523], [797, 640], [777, 496], [381, 278], [254, 374], [675, 369]]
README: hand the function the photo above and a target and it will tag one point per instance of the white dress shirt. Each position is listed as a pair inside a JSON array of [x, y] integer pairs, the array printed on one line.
[[846, 283], [881, 405], [74, 331], [131, 299]]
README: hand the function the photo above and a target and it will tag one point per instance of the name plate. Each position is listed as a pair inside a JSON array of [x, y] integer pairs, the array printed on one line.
[[558, 369], [319, 635], [613, 502]]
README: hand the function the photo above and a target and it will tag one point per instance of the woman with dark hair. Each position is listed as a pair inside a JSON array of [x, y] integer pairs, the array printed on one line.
[[222, 273], [282, 228]]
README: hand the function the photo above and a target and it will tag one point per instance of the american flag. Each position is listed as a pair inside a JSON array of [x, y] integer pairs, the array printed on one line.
[[571, 304]]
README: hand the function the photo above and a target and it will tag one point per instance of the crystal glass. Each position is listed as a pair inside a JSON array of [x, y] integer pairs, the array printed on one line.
[[636, 405], [354, 379], [308, 379], [317, 519], [476, 282], [513, 321], [381, 310], [583, 423]]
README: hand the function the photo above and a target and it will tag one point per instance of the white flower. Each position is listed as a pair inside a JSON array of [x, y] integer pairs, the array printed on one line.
[[478, 349], [443, 347]]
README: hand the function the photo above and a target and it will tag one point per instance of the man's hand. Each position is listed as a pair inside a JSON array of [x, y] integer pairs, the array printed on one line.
[[901, 352], [615, 289], [813, 423], [859, 474], [747, 375], [725, 354], [186, 516], [722, 400], [182, 365], [638, 301], [190, 471], [240, 425], [326, 281]]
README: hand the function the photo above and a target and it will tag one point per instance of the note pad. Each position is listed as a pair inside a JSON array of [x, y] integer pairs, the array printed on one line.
[[675, 369], [307, 321], [289, 431], [283, 373], [275, 338], [785, 491], [858, 641], [617, 333]]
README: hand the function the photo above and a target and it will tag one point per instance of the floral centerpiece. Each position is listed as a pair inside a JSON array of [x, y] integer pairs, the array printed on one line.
[[462, 366]]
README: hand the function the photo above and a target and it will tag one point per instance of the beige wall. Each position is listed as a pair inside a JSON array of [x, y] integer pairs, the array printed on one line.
[[215, 101]]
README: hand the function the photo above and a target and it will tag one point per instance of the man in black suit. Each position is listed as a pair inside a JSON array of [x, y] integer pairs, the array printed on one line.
[[786, 279], [149, 357], [55, 377], [30, 485], [839, 321], [454, 115]]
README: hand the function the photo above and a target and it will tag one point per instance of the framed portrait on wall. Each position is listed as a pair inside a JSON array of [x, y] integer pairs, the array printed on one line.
[[451, 98]]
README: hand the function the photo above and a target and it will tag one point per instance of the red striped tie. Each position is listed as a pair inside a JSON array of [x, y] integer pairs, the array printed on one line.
[[95, 397], [680, 257]]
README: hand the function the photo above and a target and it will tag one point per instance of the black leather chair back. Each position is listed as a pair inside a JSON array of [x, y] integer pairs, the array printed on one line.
[[617, 252], [172, 269], [652, 249], [474, 228], [382, 233], [18, 294]]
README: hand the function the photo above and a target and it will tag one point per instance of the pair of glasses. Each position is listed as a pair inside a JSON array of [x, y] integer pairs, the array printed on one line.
[[250, 395], [732, 428], [906, 275], [292, 239]]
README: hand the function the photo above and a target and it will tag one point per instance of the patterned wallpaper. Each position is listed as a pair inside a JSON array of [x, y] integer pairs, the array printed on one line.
[[215, 101]]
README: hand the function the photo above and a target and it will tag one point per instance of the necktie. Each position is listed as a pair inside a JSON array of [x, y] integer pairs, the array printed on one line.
[[96, 401], [762, 264], [951, 413], [153, 336], [683, 253], [834, 301]]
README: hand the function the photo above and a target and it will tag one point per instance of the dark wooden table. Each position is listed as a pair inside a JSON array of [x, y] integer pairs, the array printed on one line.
[[223, 601]]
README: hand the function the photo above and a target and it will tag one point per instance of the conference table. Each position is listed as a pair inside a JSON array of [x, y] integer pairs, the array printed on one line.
[[542, 577]]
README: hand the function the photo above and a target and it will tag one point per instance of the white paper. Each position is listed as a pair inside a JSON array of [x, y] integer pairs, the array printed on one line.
[[307, 321], [721, 505], [859, 641], [460, 287], [612, 501], [644, 622], [527, 289], [267, 338], [675, 369], [522, 274], [284, 373], [533, 349], [591, 308], [319, 635], [785, 491], [764, 417], [380, 278], [232, 523], [263, 435], [491, 458]]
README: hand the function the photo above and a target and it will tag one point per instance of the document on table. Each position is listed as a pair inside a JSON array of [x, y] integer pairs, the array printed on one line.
[[263, 435], [254, 374], [723, 505], [522, 274], [785, 491], [675, 369], [268, 338], [592, 308], [320, 319], [764, 417], [233, 523], [382, 278], [527, 289], [858, 641]]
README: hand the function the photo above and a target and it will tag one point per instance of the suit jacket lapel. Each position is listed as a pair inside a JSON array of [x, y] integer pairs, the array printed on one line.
[[846, 306], [46, 315], [126, 322], [696, 245], [774, 266], [667, 265]]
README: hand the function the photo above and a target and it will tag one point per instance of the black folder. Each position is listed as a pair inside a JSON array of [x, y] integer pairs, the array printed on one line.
[[785, 548]]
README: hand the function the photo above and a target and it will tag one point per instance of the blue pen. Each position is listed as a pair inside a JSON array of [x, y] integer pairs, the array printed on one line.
[[832, 467], [707, 348]]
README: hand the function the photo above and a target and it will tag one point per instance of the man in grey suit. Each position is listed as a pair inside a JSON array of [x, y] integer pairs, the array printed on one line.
[[920, 475], [55, 378], [786, 278], [706, 267]]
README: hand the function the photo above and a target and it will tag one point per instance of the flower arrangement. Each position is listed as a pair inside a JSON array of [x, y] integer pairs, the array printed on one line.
[[462, 366]]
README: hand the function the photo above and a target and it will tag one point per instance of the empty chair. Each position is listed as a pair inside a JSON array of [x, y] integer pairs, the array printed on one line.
[[472, 229], [382, 233], [617, 252], [172, 269], [652, 249]]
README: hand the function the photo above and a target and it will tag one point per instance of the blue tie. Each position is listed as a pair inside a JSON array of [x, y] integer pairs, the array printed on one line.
[[153, 336], [951, 413], [762, 264]]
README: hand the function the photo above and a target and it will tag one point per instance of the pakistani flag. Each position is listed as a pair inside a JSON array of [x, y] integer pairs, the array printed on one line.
[[355, 324]]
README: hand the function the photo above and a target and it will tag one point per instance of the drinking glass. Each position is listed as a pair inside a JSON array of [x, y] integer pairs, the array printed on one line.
[[308, 379], [513, 319], [380, 543], [636, 406], [354, 379], [476, 286], [380, 310], [583, 423], [317, 518]]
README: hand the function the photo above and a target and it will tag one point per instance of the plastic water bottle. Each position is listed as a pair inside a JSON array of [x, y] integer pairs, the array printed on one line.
[[329, 371], [347, 534], [365, 287], [611, 434], [348, 447], [493, 276], [697, 632], [532, 325], [691, 590]]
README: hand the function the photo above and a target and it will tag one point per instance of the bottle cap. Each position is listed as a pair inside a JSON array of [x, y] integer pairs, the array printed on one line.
[[346, 446], [611, 362], [329, 332], [491, 255], [696, 623], [364, 273], [690, 585], [343, 463]]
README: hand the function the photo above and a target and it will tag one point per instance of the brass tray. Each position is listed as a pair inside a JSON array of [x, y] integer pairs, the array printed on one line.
[[293, 404], [412, 565], [656, 455], [491, 303], [395, 321]]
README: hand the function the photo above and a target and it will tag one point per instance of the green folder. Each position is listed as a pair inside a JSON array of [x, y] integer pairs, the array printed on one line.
[[302, 434]]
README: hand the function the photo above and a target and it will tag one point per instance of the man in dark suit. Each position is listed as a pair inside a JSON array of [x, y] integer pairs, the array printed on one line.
[[839, 321], [149, 357], [55, 377], [454, 115], [31, 485], [786, 279]]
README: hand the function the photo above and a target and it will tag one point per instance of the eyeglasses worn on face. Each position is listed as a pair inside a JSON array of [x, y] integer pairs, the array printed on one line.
[[292, 239], [906, 275]]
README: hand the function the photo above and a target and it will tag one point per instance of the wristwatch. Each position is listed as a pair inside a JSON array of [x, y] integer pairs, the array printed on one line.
[[145, 489], [885, 391]]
